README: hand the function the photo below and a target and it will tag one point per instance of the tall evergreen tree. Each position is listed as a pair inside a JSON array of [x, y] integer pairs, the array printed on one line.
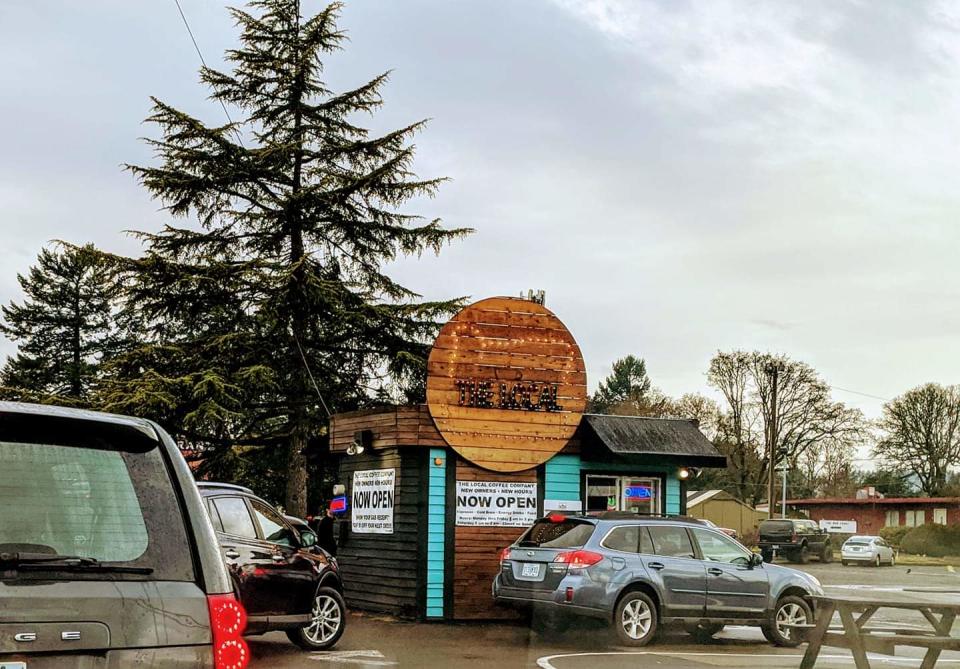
[[63, 328], [626, 390], [283, 284]]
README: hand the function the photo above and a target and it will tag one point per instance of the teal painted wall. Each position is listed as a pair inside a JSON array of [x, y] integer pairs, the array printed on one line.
[[562, 478], [436, 519]]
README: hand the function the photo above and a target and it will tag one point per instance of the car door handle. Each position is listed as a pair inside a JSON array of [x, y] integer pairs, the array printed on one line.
[[714, 571], [231, 553], [656, 565]]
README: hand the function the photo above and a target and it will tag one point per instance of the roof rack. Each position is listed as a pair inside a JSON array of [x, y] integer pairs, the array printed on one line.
[[631, 515], [224, 486]]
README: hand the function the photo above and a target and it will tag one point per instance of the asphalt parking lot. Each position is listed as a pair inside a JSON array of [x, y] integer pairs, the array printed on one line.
[[372, 641]]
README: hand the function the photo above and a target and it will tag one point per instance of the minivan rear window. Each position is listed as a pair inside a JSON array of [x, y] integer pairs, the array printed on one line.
[[562, 534], [92, 501]]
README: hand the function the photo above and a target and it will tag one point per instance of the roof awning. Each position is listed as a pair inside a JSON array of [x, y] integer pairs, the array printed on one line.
[[675, 440]]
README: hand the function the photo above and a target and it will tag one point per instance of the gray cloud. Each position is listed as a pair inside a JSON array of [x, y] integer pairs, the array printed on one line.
[[680, 177]]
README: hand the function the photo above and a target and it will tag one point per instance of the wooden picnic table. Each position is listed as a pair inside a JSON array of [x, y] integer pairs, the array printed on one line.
[[939, 608]]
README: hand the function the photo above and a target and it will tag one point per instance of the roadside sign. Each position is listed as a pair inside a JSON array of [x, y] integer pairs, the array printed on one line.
[[839, 526]]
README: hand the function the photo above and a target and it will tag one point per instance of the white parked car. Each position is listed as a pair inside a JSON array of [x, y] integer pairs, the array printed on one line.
[[867, 550]]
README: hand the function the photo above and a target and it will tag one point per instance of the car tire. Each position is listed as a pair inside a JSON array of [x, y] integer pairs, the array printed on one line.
[[844, 563], [328, 620], [703, 632], [802, 556], [827, 554], [877, 563], [767, 556], [635, 619], [893, 560], [789, 609]]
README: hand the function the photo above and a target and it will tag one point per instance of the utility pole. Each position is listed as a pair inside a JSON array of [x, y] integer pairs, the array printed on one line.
[[773, 370], [783, 505]]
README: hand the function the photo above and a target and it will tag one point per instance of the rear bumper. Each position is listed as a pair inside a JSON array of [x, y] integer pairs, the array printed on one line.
[[179, 657], [858, 557], [525, 599], [777, 545]]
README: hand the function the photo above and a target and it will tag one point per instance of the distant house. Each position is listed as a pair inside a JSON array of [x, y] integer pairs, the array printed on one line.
[[868, 512], [724, 510]]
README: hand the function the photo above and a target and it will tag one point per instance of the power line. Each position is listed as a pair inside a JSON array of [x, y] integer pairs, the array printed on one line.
[[204, 62], [857, 392], [226, 113]]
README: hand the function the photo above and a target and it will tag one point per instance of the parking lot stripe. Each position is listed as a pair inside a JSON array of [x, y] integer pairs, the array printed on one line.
[[546, 661], [370, 658]]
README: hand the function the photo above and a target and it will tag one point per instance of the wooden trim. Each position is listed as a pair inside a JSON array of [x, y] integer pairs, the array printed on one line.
[[450, 534], [423, 528]]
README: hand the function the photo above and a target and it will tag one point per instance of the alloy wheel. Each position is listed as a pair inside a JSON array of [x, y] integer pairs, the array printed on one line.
[[325, 620], [636, 619], [790, 614]]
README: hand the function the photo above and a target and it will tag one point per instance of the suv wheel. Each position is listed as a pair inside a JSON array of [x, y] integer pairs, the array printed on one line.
[[635, 619], [767, 555], [327, 620], [801, 555], [790, 610], [827, 554]]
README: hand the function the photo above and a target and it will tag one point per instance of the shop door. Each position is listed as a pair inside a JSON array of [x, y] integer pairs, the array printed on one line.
[[623, 493]]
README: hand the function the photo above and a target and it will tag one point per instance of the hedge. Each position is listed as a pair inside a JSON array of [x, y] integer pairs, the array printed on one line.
[[894, 535], [932, 540]]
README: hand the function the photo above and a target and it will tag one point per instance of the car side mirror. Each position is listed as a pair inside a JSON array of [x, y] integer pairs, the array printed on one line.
[[307, 539], [756, 560]]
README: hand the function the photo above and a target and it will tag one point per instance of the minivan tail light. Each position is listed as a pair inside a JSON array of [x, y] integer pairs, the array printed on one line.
[[504, 555], [578, 559], [228, 620]]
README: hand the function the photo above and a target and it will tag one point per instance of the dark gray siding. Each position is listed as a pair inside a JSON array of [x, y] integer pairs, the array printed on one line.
[[380, 571]]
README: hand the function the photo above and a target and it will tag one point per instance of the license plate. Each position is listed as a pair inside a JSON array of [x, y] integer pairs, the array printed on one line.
[[13, 665], [776, 548], [530, 570]]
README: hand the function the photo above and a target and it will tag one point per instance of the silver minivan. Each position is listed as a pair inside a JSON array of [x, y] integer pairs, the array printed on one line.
[[107, 558]]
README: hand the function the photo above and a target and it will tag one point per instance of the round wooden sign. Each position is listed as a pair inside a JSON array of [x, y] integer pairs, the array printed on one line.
[[506, 384]]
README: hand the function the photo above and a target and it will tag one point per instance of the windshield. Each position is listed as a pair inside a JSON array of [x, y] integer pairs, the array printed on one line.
[[107, 504]]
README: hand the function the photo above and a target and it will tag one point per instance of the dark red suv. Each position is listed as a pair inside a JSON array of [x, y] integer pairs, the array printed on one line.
[[284, 580]]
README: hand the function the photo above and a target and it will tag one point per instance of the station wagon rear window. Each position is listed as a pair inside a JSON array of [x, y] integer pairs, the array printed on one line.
[[568, 533]]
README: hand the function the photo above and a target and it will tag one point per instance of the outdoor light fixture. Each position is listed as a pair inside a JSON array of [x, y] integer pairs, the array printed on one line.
[[685, 473]]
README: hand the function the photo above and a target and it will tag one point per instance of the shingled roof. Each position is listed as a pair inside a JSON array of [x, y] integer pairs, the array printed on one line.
[[677, 438]]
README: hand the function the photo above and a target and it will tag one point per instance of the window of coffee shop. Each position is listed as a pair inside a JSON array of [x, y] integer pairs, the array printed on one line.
[[637, 494]]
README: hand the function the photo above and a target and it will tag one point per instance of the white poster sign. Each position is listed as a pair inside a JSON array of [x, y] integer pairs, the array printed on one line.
[[372, 501], [561, 505], [839, 526], [496, 504]]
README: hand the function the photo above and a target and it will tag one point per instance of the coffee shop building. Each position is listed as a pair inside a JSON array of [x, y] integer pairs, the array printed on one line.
[[435, 491]]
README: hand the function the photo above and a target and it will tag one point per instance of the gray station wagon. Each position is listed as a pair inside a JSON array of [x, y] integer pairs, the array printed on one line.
[[107, 557], [641, 572]]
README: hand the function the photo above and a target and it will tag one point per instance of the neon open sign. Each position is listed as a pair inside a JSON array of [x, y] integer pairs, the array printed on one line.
[[637, 492], [338, 504]]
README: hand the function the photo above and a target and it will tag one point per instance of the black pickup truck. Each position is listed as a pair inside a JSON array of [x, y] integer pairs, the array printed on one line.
[[794, 539]]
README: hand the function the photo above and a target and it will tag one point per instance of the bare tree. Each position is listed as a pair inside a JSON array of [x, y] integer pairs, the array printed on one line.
[[921, 433], [807, 416]]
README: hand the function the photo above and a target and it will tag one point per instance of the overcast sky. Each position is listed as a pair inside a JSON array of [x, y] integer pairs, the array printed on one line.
[[680, 177]]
